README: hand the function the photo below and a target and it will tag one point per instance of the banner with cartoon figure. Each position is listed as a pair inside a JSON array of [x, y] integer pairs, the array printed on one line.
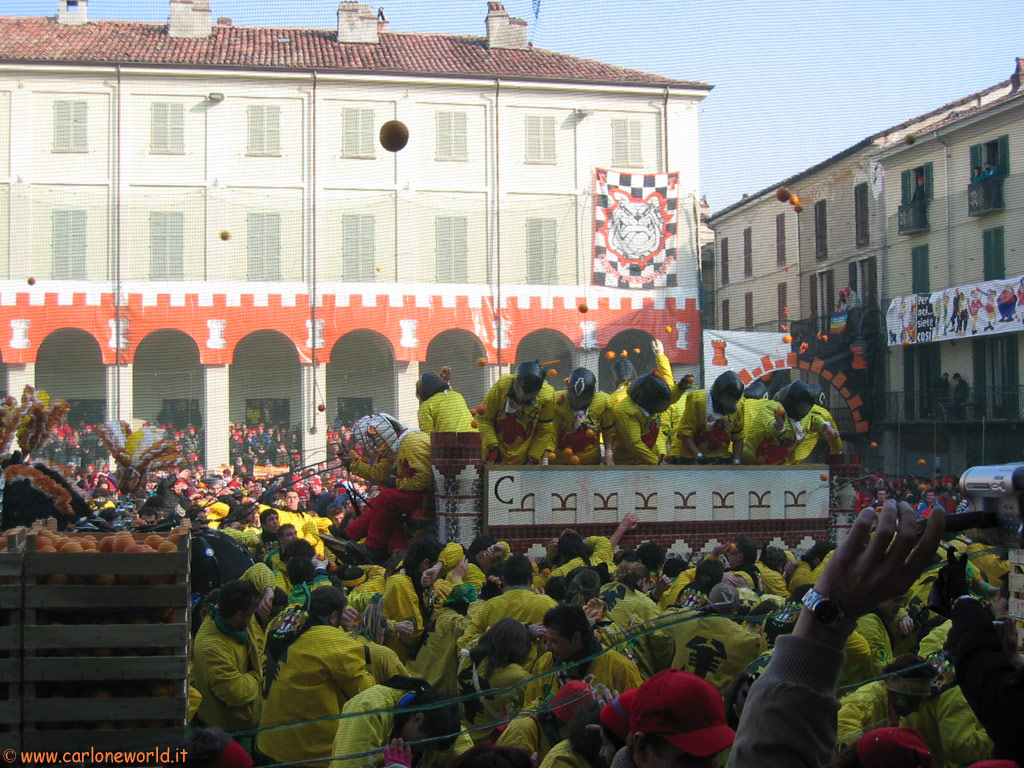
[[977, 309], [635, 229]]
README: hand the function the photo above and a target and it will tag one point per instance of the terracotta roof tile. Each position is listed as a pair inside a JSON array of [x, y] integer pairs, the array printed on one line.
[[43, 40]]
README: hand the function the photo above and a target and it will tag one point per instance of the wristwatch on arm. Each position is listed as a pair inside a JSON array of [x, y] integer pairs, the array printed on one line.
[[827, 613]]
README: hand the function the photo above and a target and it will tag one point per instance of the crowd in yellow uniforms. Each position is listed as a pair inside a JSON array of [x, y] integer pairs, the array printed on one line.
[[509, 649]]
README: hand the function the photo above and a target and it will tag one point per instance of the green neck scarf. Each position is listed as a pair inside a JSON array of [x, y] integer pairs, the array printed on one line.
[[240, 636]]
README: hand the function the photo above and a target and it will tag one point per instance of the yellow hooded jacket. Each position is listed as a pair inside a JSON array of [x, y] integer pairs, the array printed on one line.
[[445, 411], [584, 440], [373, 730], [319, 673], [527, 434]]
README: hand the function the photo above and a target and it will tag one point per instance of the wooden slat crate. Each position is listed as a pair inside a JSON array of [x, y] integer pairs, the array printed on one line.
[[10, 643], [105, 644]]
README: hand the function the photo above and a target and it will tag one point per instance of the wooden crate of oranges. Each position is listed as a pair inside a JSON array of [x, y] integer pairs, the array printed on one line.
[[105, 640], [11, 556]]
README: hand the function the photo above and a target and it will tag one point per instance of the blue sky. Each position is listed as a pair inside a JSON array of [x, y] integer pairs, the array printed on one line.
[[795, 81]]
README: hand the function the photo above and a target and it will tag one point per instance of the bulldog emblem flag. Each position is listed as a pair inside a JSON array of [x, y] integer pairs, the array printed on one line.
[[635, 229]]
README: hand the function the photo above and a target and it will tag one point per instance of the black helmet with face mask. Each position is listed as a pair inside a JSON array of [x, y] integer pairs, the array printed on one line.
[[582, 386], [651, 392], [526, 386], [726, 392], [797, 399]]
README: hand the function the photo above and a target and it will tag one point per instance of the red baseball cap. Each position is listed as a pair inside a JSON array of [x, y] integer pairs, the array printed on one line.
[[686, 710], [894, 748], [569, 698], [615, 714]]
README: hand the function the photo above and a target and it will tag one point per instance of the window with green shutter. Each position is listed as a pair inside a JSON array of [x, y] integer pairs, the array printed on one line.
[[358, 248], [166, 246], [69, 245], [908, 182], [540, 139], [451, 249], [542, 251], [860, 214], [357, 133], [996, 151], [821, 230], [627, 143], [450, 144], [920, 280], [263, 246], [70, 124], [264, 123], [166, 128], [992, 247]]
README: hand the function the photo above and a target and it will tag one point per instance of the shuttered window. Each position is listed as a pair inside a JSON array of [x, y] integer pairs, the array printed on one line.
[[920, 280], [451, 136], [264, 129], [166, 128], [992, 247], [540, 139], [70, 126], [451, 249], [264, 246], [358, 248], [357, 133], [542, 256], [166, 246], [627, 143], [69, 245]]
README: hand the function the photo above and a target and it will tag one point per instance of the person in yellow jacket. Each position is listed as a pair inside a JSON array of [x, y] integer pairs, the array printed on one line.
[[883, 703], [517, 425], [539, 731], [712, 644], [408, 601], [402, 709], [582, 744], [397, 459], [774, 429], [570, 551], [951, 729], [491, 683], [624, 373], [634, 613], [638, 438], [227, 667], [583, 418], [437, 659], [517, 601], [484, 552], [809, 566], [570, 642], [876, 629], [711, 428], [772, 566], [442, 409], [309, 677], [822, 426], [675, 577]]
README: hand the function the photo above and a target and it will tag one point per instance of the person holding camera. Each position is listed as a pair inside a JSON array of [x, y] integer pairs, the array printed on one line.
[[990, 680]]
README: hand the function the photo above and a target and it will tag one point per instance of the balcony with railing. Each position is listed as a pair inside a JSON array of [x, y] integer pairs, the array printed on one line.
[[913, 217], [985, 196], [927, 407]]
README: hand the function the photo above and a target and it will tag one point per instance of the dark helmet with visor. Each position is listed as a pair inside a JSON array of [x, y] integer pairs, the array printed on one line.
[[651, 392], [582, 386], [526, 386], [797, 399], [726, 392]]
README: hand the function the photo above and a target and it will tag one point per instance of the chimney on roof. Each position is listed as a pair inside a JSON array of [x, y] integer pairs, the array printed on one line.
[[357, 23], [72, 12], [190, 18], [502, 30]]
